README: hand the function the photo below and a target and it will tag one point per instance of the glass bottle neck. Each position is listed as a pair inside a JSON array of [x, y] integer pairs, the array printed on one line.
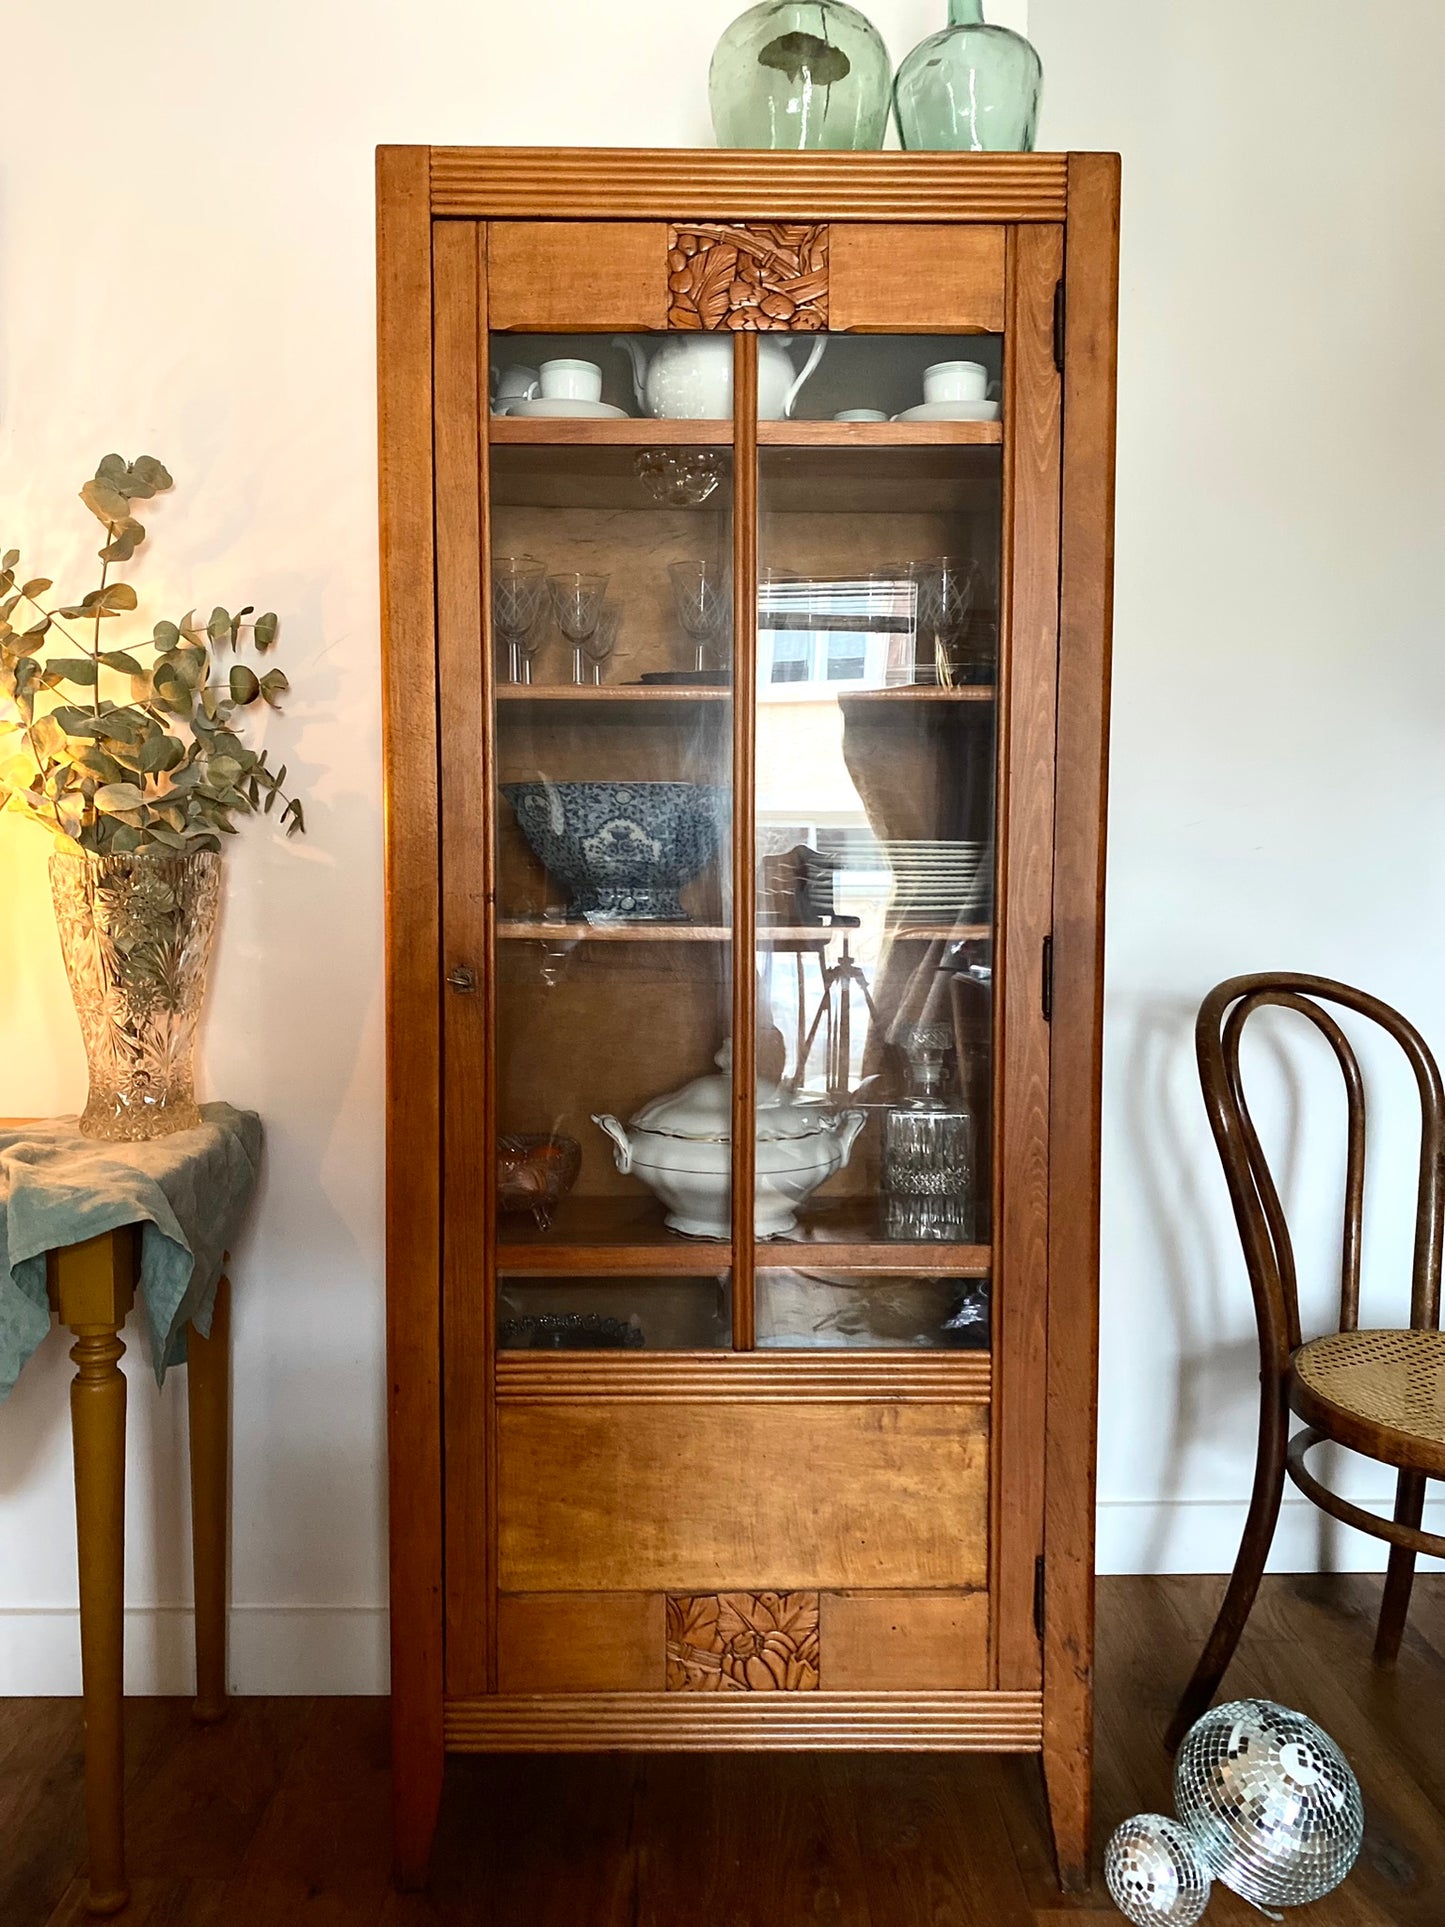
[[965, 13]]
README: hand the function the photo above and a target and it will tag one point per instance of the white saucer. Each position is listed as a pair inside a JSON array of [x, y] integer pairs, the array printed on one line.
[[556, 407], [951, 411]]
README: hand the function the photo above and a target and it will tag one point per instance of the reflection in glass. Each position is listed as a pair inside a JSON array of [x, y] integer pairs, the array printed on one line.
[[614, 1314], [803, 1308], [874, 804]]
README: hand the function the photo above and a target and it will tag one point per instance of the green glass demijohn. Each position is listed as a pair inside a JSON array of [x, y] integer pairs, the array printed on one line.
[[970, 86], [800, 73]]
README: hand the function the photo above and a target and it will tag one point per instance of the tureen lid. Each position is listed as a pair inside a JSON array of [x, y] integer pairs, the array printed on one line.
[[702, 1109]]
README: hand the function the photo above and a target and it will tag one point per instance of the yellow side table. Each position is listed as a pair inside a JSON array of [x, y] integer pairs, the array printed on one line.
[[92, 1289]]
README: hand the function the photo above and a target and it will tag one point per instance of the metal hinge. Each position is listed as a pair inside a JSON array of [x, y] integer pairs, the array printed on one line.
[[1047, 987], [1039, 1595], [1059, 319]]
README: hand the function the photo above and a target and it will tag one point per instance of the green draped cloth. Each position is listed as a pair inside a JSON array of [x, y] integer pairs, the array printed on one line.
[[188, 1192]]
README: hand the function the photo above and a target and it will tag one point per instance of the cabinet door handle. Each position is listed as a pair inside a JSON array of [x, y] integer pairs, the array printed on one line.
[[462, 979]]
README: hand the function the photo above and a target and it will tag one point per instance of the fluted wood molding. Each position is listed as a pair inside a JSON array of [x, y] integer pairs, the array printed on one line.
[[619, 184], [748, 1722], [949, 1378]]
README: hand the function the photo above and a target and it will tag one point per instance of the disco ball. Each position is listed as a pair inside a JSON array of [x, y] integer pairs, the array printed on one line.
[[1271, 1802], [1154, 1872]]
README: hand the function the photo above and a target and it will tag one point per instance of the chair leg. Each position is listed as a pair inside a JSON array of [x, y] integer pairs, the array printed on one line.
[[1409, 1510], [1248, 1567]]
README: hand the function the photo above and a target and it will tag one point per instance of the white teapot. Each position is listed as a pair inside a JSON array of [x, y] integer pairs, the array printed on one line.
[[690, 376], [680, 1146]]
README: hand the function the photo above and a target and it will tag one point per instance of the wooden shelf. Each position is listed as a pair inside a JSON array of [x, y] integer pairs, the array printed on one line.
[[511, 431], [539, 930], [879, 434], [973, 692], [608, 1238], [609, 693]]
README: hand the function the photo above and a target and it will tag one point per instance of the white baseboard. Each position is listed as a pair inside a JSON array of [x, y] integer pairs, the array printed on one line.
[[273, 1649], [342, 1649], [1202, 1535]]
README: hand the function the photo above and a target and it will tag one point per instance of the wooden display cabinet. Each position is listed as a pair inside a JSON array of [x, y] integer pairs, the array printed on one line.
[[831, 1488]]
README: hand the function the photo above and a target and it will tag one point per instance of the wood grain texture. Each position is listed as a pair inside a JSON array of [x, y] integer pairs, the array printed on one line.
[[1091, 267], [208, 1419], [755, 1722], [618, 184], [902, 1642], [570, 1642], [762, 277], [744, 846], [566, 277], [413, 1043], [917, 277], [463, 666], [851, 1377], [796, 434], [714, 1497], [1029, 642]]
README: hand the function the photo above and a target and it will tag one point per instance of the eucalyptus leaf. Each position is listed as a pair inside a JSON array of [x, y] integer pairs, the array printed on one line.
[[166, 634], [244, 683], [118, 659], [116, 797], [219, 626], [37, 585], [105, 500], [73, 669], [9, 559]]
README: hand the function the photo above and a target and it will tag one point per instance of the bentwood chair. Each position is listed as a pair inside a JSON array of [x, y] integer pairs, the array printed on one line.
[[1378, 1392]]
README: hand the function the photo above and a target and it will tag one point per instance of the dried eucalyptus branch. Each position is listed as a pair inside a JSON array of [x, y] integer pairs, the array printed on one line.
[[163, 769]]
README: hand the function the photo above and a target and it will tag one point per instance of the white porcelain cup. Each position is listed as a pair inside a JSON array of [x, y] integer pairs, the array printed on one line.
[[571, 381], [516, 384], [860, 415], [955, 381]]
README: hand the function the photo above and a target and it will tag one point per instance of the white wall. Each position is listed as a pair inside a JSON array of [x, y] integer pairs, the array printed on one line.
[[186, 246], [1278, 783]]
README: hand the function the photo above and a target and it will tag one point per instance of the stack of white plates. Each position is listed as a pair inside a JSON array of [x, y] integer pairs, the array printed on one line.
[[942, 882]]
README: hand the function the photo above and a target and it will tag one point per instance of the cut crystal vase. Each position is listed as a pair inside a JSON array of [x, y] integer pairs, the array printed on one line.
[[136, 933]]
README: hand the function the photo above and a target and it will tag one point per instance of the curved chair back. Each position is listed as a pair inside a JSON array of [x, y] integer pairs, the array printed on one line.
[[1258, 1213]]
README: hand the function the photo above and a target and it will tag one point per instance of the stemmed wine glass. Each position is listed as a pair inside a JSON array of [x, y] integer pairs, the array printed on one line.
[[577, 605], [603, 640], [700, 595], [517, 585]]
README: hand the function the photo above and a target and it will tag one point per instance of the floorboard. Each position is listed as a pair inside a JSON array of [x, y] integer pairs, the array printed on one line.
[[280, 1814]]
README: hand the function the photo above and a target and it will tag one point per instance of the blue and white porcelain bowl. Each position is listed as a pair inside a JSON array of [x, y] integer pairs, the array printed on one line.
[[622, 850]]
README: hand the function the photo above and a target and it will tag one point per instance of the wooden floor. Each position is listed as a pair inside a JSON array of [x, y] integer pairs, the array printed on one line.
[[280, 1816]]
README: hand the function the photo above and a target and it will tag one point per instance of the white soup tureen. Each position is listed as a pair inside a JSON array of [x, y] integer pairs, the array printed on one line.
[[680, 1145]]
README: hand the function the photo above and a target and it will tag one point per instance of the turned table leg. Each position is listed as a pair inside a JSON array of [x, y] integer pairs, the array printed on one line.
[[208, 1396], [93, 1285]]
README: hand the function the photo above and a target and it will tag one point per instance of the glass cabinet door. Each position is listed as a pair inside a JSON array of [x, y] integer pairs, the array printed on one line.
[[611, 715], [874, 803], [869, 528]]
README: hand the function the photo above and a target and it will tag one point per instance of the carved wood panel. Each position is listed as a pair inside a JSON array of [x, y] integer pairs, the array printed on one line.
[[761, 276], [742, 1642]]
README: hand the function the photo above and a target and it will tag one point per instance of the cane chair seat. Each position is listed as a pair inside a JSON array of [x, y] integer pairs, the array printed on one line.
[[1378, 1392]]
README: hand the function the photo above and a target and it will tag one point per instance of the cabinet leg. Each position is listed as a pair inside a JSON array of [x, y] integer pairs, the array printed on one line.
[[208, 1399], [97, 1423], [418, 1761], [1069, 1784]]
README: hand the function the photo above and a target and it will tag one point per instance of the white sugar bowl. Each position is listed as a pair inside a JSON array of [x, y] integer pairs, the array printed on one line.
[[680, 1145]]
